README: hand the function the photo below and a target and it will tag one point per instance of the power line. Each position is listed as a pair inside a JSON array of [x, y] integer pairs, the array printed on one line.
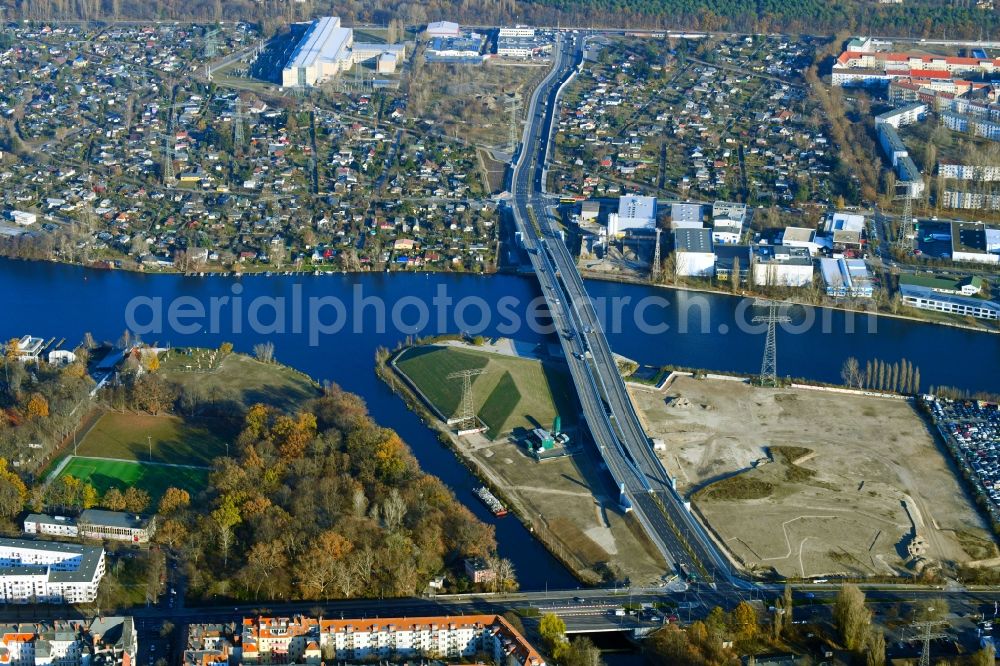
[[769, 364]]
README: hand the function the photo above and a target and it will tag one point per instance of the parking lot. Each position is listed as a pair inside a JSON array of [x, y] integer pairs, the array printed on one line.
[[971, 429]]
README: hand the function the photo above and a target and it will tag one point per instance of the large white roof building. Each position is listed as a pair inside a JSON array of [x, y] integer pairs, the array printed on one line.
[[327, 49], [634, 212]]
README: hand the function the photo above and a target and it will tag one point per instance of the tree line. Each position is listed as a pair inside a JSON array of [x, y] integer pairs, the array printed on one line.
[[920, 18], [878, 375]]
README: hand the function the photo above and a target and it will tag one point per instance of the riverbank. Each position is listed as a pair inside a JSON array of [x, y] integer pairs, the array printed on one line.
[[923, 319], [242, 271]]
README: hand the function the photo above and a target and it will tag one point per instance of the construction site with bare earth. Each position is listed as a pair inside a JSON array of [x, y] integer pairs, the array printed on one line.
[[805, 482]]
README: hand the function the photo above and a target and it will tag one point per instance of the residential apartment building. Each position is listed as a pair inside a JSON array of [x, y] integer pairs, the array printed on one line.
[[300, 640], [906, 170], [970, 200], [989, 129], [516, 31], [49, 572], [904, 115], [880, 67], [983, 173], [104, 641]]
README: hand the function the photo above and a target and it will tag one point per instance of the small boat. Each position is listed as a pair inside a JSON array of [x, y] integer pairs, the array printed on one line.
[[491, 501]]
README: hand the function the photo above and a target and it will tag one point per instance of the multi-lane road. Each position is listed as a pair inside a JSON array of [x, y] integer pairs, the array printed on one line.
[[624, 447]]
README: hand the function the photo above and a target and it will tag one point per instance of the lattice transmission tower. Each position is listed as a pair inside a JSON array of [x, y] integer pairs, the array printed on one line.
[[769, 364], [168, 159], [466, 419], [906, 235], [238, 117], [925, 632], [657, 268], [211, 46]]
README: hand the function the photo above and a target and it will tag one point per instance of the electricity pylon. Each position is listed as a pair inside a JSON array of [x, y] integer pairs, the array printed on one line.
[[168, 159], [657, 269], [769, 364], [905, 237], [925, 633], [238, 116], [210, 45], [466, 419]]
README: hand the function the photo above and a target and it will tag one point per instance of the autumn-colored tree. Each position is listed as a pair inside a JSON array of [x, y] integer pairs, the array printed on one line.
[[136, 499], [89, 497], [293, 435], [744, 622], [173, 500], [224, 519], [226, 348], [171, 533], [13, 492], [37, 407], [113, 500], [152, 363]]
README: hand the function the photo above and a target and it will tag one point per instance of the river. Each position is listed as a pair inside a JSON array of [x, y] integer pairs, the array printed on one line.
[[300, 313]]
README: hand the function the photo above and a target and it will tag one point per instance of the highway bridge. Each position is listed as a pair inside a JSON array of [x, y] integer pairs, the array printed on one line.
[[645, 487]]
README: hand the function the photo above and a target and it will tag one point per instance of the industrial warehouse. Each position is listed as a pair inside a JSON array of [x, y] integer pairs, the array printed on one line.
[[327, 49]]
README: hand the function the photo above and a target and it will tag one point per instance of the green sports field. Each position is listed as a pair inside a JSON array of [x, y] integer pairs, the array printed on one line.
[[154, 479], [513, 392], [128, 436]]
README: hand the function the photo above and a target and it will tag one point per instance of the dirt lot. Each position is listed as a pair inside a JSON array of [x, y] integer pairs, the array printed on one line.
[[809, 482], [585, 527]]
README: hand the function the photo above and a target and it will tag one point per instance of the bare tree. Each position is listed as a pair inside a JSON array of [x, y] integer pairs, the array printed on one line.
[[850, 373], [393, 510], [264, 351]]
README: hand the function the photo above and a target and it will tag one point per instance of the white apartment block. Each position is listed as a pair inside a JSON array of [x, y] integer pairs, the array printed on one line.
[[970, 200], [957, 122], [904, 115], [268, 641], [49, 572], [517, 31], [985, 173]]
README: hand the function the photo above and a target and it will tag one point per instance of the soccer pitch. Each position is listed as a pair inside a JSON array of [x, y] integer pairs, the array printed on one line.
[[151, 477]]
